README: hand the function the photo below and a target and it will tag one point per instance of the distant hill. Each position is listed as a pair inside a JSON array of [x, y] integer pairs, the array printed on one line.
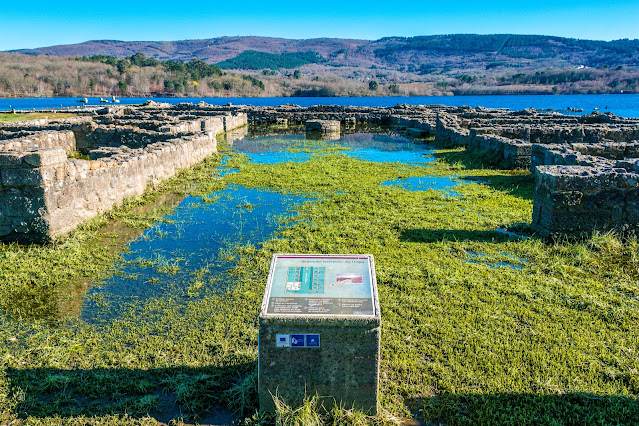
[[457, 51], [211, 50], [454, 64]]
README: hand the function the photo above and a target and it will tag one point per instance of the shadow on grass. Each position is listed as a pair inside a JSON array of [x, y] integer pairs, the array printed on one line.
[[518, 185], [526, 409], [210, 395], [435, 235], [521, 186], [468, 158]]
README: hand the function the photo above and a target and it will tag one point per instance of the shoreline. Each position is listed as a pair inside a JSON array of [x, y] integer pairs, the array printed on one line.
[[545, 94]]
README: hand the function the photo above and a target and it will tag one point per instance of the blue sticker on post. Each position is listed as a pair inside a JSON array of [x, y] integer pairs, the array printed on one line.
[[297, 340], [313, 340]]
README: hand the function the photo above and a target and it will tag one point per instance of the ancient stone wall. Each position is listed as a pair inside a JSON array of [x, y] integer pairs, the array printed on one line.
[[577, 200], [586, 149], [64, 139], [45, 194], [323, 126]]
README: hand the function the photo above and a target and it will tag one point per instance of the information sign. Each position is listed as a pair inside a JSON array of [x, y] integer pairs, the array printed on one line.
[[321, 285]]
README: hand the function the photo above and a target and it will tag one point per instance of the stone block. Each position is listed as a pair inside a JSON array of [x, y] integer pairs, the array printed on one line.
[[21, 206], [11, 159], [565, 199], [577, 178], [46, 157], [576, 222], [5, 231], [323, 126], [20, 176], [606, 199]]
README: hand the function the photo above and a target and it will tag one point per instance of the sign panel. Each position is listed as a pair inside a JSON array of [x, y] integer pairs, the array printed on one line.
[[321, 285]]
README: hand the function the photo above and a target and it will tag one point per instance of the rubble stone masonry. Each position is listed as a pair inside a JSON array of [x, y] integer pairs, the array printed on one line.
[[585, 166]]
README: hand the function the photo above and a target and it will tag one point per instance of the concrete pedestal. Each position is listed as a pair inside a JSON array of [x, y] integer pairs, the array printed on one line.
[[320, 332]]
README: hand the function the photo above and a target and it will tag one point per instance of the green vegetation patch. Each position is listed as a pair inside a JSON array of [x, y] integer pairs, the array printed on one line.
[[10, 117], [254, 60], [478, 327]]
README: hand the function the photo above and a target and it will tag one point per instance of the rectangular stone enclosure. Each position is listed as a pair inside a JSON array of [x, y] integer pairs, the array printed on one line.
[[320, 332], [60, 173]]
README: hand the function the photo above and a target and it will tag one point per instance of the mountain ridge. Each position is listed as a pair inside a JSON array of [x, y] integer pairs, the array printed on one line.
[[449, 64], [393, 52]]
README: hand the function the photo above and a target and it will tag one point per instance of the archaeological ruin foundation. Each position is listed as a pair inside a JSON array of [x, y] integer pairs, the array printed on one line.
[[55, 174]]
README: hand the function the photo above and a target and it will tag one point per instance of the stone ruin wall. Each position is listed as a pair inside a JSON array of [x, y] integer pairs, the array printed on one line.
[[594, 189], [45, 194], [576, 200], [597, 153]]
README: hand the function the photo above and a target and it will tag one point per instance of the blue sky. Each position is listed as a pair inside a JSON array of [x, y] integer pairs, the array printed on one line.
[[38, 23]]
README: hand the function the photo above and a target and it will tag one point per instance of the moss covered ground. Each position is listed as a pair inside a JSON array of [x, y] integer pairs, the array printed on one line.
[[479, 326], [10, 117]]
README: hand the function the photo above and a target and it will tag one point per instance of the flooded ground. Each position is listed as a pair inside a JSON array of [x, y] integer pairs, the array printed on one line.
[[187, 253], [480, 319]]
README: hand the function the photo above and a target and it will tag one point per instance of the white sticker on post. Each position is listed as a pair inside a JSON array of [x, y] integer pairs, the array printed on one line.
[[282, 340]]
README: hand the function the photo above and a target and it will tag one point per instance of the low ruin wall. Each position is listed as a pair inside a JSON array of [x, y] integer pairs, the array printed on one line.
[[577, 200], [45, 194], [131, 146]]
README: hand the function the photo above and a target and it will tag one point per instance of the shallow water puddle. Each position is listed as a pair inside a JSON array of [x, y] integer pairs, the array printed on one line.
[[437, 183], [272, 149], [386, 148], [381, 148], [186, 252], [500, 260]]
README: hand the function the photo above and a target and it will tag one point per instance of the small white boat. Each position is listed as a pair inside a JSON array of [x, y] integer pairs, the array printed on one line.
[[103, 101], [115, 101], [83, 100]]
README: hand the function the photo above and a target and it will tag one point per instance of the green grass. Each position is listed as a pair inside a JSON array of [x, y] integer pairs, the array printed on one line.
[[465, 339], [10, 117]]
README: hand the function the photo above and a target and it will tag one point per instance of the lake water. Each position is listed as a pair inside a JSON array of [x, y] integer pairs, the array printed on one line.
[[622, 105]]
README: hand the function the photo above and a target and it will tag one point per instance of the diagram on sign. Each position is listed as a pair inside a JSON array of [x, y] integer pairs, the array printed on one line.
[[305, 280]]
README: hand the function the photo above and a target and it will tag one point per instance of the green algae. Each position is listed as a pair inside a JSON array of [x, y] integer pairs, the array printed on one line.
[[462, 343]]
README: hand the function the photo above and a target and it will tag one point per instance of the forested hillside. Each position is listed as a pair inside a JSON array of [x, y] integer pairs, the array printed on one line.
[[455, 64]]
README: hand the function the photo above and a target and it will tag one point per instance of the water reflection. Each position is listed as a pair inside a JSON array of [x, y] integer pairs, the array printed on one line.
[[499, 260], [323, 136], [186, 253], [376, 147]]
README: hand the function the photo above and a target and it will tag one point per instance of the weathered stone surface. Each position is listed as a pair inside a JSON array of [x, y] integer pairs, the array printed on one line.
[[323, 126], [45, 157], [343, 366], [578, 200], [120, 135], [45, 194]]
